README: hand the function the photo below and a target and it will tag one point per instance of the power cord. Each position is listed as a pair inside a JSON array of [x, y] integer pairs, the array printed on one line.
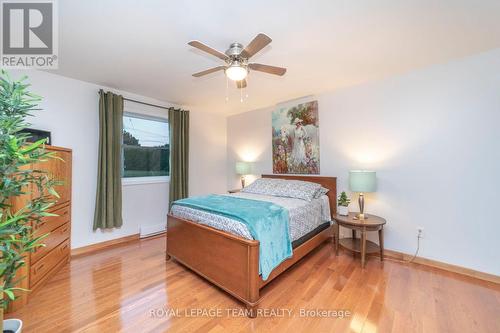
[[419, 236]]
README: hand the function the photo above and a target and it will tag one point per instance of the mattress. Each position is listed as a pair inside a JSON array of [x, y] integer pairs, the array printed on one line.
[[304, 216]]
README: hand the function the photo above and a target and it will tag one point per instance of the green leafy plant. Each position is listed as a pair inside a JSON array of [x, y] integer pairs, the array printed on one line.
[[343, 200], [18, 180]]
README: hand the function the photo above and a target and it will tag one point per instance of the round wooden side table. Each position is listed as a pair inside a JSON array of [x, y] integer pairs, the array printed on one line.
[[360, 245]]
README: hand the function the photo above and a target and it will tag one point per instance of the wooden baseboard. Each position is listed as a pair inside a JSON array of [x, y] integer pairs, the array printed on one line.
[[103, 245], [442, 265]]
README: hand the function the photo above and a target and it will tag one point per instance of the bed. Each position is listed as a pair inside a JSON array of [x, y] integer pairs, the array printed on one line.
[[223, 252]]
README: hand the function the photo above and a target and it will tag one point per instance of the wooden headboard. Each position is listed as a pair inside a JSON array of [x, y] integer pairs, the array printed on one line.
[[327, 182]]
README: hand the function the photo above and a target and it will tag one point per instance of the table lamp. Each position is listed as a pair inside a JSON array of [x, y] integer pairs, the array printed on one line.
[[242, 169], [363, 182]]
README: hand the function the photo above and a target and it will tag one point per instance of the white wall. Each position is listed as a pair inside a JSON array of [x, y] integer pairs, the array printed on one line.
[[432, 136], [70, 112], [207, 153]]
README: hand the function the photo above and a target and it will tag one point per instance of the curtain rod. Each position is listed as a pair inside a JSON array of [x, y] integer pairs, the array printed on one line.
[[149, 104]]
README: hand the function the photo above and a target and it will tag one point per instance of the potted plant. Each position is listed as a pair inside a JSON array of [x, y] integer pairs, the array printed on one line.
[[343, 204], [17, 178]]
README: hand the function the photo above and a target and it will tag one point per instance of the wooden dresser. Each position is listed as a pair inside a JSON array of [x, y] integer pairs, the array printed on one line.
[[42, 264]]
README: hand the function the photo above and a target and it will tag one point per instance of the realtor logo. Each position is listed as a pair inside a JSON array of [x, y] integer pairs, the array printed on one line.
[[29, 34]]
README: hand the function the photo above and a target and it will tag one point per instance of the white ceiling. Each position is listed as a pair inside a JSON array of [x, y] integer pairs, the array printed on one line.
[[141, 46]]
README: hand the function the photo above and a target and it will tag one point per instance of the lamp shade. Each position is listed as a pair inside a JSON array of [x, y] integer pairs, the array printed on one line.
[[362, 181], [243, 168]]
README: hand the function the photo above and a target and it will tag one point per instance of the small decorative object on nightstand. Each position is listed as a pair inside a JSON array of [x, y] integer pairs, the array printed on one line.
[[362, 181], [243, 169], [343, 204], [360, 245], [234, 191]]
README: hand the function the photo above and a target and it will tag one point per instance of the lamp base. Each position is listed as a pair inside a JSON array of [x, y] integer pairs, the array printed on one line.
[[360, 216], [361, 202], [242, 181]]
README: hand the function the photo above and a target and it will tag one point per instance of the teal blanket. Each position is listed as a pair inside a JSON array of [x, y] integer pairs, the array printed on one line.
[[267, 223]]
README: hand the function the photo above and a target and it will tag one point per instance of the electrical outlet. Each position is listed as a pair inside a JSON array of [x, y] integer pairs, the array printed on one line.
[[420, 231]]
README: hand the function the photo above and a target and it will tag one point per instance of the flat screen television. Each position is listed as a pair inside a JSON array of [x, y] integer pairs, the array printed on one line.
[[36, 135]]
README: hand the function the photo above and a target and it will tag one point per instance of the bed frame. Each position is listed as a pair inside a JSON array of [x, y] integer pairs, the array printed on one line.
[[231, 262]]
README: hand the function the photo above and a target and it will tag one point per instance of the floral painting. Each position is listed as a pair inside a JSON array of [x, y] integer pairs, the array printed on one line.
[[296, 139]]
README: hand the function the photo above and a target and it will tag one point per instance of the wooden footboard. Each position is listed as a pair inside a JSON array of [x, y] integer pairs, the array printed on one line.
[[228, 261]]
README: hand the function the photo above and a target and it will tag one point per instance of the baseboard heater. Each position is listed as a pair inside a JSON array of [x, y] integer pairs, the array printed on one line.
[[151, 230]]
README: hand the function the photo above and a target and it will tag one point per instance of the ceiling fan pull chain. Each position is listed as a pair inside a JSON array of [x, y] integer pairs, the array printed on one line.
[[246, 89], [227, 89]]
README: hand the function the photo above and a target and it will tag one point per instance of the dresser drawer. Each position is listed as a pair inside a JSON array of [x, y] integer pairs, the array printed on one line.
[[50, 223], [43, 266], [55, 238]]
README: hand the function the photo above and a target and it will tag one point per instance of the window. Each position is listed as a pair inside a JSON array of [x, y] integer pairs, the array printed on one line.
[[145, 146]]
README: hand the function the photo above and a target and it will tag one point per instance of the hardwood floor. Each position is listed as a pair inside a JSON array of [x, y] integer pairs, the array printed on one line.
[[131, 288]]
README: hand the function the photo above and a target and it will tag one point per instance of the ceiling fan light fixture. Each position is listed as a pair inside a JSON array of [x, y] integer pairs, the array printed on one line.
[[236, 72], [236, 66]]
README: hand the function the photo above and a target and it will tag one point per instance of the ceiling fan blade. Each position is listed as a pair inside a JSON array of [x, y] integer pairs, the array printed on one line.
[[208, 71], [258, 43], [268, 69], [208, 49], [241, 84]]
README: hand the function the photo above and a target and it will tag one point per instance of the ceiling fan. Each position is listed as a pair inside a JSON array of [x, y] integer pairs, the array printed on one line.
[[236, 58]]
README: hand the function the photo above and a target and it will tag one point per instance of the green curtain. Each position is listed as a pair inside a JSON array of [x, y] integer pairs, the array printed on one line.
[[179, 154], [108, 206]]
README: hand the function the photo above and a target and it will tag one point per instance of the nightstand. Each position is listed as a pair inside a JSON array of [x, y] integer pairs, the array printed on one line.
[[360, 245], [234, 191]]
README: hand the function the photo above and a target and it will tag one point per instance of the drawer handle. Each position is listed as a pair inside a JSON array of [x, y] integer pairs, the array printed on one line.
[[39, 268], [64, 230], [64, 247]]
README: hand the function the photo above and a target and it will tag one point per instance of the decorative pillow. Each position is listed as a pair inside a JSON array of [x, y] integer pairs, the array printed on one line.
[[283, 188], [320, 192]]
